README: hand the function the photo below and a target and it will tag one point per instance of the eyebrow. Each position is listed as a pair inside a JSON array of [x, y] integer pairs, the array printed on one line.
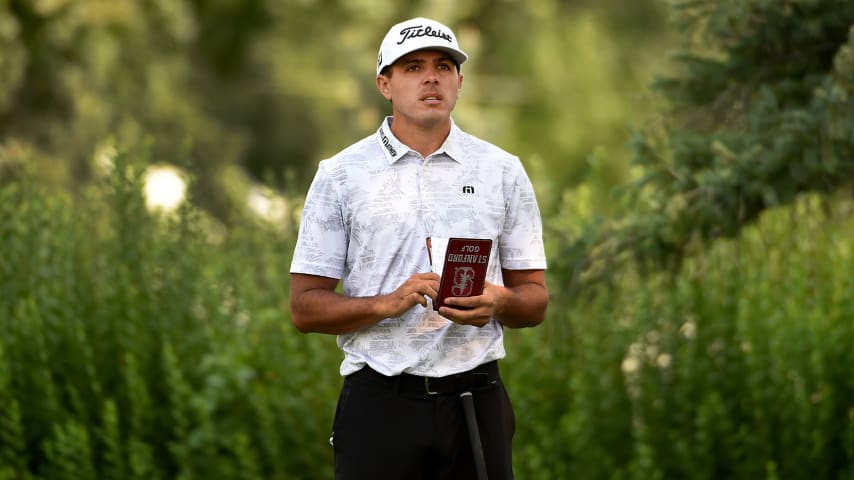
[[443, 58]]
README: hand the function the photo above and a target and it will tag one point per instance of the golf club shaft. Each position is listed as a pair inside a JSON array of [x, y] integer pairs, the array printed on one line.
[[474, 435]]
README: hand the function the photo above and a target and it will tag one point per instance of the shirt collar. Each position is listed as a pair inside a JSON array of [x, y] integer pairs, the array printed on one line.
[[394, 149]]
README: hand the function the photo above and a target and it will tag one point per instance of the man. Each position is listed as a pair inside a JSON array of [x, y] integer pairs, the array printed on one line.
[[367, 216]]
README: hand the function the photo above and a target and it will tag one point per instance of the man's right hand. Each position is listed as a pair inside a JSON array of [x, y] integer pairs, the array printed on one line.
[[414, 291]]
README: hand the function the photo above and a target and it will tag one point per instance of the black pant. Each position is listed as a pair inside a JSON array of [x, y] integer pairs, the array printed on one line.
[[392, 428]]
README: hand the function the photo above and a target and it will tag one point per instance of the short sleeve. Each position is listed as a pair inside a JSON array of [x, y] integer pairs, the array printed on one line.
[[321, 247], [521, 241]]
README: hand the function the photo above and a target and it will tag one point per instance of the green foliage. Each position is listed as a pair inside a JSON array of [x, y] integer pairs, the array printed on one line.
[[69, 454], [148, 345], [144, 345], [12, 446], [761, 111], [258, 91], [114, 466], [735, 366]]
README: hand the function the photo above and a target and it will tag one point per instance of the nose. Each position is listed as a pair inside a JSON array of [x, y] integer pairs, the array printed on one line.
[[432, 75]]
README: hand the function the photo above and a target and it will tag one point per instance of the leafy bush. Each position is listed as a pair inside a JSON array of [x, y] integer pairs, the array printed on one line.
[[760, 112], [141, 345], [737, 366]]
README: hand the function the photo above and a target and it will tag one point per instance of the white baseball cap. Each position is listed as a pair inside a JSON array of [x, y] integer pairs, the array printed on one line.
[[418, 34]]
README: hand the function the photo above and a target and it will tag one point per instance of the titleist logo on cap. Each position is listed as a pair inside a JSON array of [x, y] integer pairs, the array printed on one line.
[[417, 34], [417, 31]]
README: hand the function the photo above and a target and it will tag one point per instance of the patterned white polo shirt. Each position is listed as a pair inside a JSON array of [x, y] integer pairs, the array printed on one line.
[[367, 215]]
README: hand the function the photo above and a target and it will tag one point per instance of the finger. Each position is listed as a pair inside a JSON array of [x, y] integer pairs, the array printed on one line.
[[431, 276], [434, 296], [465, 302], [475, 321], [465, 316], [420, 299]]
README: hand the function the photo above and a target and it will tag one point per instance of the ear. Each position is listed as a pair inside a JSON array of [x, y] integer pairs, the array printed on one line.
[[384, 87]]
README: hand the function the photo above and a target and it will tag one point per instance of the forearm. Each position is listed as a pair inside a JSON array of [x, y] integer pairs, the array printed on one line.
[[324, 311], [317, 307], [523, 305]]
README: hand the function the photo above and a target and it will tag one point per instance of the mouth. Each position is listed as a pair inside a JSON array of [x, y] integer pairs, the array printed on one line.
[[431, 97]]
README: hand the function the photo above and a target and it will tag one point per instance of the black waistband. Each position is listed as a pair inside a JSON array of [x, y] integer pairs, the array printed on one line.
[[479, 378]]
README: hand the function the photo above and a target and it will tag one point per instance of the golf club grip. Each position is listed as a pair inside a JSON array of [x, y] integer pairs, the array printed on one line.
[[474, 435]]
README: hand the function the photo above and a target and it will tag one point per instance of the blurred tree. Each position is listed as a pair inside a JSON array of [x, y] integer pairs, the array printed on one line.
[[238, 91], [99, 72], [562, 82], [761, 111]]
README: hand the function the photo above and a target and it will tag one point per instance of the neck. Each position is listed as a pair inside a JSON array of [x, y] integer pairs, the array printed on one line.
[[424, 140]]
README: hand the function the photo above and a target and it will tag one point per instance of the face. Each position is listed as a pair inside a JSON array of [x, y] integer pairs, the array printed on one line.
[[423, 88]]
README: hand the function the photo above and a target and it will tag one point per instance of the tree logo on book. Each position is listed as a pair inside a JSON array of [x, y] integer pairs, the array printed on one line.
[[462, 266], [463, 281]]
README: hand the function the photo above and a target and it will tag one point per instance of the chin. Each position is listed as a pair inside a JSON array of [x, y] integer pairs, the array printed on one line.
[[435, 115], [426, 117]]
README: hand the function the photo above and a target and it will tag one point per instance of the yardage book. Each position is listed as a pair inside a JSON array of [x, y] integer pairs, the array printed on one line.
[[461, 264]]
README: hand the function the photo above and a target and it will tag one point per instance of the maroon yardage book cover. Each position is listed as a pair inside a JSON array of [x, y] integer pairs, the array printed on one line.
[[463, 269]]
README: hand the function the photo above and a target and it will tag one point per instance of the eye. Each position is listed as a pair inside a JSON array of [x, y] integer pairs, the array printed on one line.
[[413, 67], [444, 66]]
